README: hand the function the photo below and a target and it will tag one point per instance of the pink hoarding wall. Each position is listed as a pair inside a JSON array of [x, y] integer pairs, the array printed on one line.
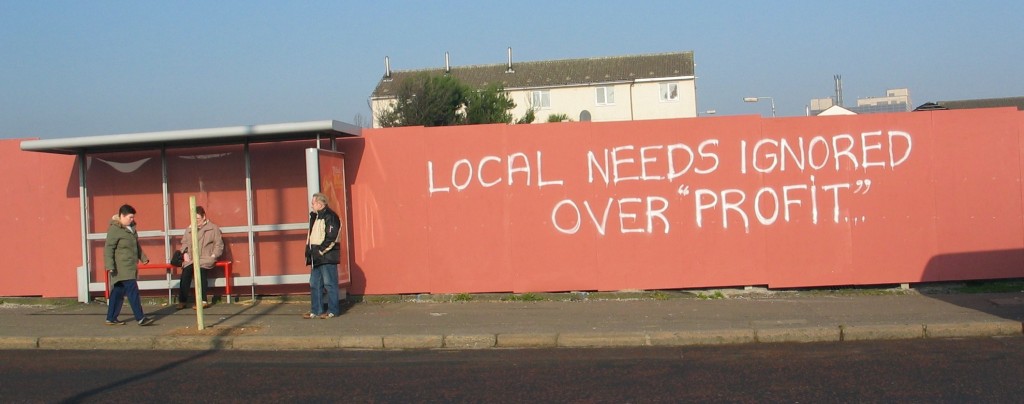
[[685, 203], [40, 222], [726, 201]]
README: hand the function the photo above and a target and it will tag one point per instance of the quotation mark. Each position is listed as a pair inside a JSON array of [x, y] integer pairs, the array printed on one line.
[[864, 184]]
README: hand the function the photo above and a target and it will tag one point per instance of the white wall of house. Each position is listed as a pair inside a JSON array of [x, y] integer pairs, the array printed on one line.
[[632, 101], [571, 101], [377, 105], [647, 102]]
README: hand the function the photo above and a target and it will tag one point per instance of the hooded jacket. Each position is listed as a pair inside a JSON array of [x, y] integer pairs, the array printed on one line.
[[121, 252]]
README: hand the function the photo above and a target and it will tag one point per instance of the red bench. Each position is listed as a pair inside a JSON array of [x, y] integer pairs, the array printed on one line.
[[169, 269]]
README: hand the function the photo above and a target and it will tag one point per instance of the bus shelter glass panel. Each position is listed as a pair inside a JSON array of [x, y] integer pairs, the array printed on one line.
[[280, 201], [281, 253], [115, 179], [215, 176], [279, 182]]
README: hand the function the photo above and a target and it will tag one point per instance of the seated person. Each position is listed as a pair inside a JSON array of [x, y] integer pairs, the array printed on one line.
[[211, 246]]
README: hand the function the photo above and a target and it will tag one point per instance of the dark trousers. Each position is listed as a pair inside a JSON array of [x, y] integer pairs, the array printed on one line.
[[118, 292], [185, 289]]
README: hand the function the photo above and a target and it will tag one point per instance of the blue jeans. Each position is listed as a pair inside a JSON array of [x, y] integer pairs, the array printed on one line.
[[118, 292], [324, 276]]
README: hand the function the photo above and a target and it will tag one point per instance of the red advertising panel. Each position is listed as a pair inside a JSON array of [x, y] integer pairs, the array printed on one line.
[[333, 184]]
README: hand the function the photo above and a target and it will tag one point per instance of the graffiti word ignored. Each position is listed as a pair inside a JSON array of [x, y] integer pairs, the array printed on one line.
[[870, 149]]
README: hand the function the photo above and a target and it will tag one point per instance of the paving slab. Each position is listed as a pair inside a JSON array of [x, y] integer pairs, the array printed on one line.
[[490, 324]]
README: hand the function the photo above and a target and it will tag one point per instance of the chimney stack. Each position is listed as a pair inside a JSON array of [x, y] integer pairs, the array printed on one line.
[[387, 68], [839, 90], [447, 67], [509, 68]]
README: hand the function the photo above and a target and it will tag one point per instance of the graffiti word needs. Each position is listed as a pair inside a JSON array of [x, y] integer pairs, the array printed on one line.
[[490, 171], [652, 163], [870, 149]]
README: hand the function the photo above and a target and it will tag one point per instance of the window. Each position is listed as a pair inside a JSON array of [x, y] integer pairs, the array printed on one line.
[[606, 95], [541, 99], [669, 92]]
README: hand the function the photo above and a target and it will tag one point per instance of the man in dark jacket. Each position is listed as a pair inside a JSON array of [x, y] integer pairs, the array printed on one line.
[[323, 255]]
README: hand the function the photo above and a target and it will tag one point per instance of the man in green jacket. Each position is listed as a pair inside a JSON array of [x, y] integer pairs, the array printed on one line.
[[121, 257]]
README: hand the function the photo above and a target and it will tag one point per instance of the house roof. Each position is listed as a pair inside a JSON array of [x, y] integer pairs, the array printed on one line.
[[556, 73], [194, 137], [1017, 102]]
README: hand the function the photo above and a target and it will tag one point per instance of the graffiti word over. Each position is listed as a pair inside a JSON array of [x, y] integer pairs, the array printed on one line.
[[635, 215], [490, 171], [870, 149]]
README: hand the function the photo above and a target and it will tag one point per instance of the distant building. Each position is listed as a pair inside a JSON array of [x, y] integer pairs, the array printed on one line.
[[618, 88], [836, 110], [1017, 102], [819, 105], [895, 100]]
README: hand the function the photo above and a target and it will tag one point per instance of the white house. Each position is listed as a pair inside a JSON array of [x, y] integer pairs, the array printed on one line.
[[618, 88]]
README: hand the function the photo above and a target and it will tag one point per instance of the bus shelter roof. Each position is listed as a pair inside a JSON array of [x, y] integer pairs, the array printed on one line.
[[194, 137]]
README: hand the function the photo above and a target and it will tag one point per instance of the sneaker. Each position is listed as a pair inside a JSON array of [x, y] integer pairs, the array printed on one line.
[[309, 316], [180, 306], [326, 316], [115, 322], [205, 306], [146, 321]]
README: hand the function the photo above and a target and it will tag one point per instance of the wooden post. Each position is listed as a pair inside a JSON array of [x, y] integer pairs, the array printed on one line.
[[196, 253]]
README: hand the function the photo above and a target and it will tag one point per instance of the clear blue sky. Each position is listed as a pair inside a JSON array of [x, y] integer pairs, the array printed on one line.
[[78, 68]]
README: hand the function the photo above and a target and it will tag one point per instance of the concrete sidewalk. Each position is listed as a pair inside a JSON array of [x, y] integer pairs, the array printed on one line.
[[737, 319]]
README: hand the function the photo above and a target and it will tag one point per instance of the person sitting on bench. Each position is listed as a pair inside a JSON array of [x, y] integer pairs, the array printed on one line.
[[211, 246]]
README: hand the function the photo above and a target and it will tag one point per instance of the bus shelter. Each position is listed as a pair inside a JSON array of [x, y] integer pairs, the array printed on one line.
[[255, 182]]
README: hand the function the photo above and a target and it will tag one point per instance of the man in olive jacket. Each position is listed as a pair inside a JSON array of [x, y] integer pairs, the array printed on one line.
[[323, 255], [121, 257]]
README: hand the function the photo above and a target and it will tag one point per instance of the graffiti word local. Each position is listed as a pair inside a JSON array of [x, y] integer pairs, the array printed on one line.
[[682, 165]]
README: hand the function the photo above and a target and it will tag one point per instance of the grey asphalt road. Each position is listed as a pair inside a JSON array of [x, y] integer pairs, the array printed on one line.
[[975, 370]]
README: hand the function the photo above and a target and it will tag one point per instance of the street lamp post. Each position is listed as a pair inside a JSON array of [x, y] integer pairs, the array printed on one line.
[[755, 99]]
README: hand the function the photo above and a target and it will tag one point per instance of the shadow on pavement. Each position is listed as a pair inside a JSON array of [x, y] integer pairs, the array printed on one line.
[[1001, 294]]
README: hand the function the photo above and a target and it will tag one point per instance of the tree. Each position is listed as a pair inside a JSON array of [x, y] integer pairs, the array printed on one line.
[[443, 100], [558, 118], [360, 121], [426, 100], [489, 105], [528, 117]]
